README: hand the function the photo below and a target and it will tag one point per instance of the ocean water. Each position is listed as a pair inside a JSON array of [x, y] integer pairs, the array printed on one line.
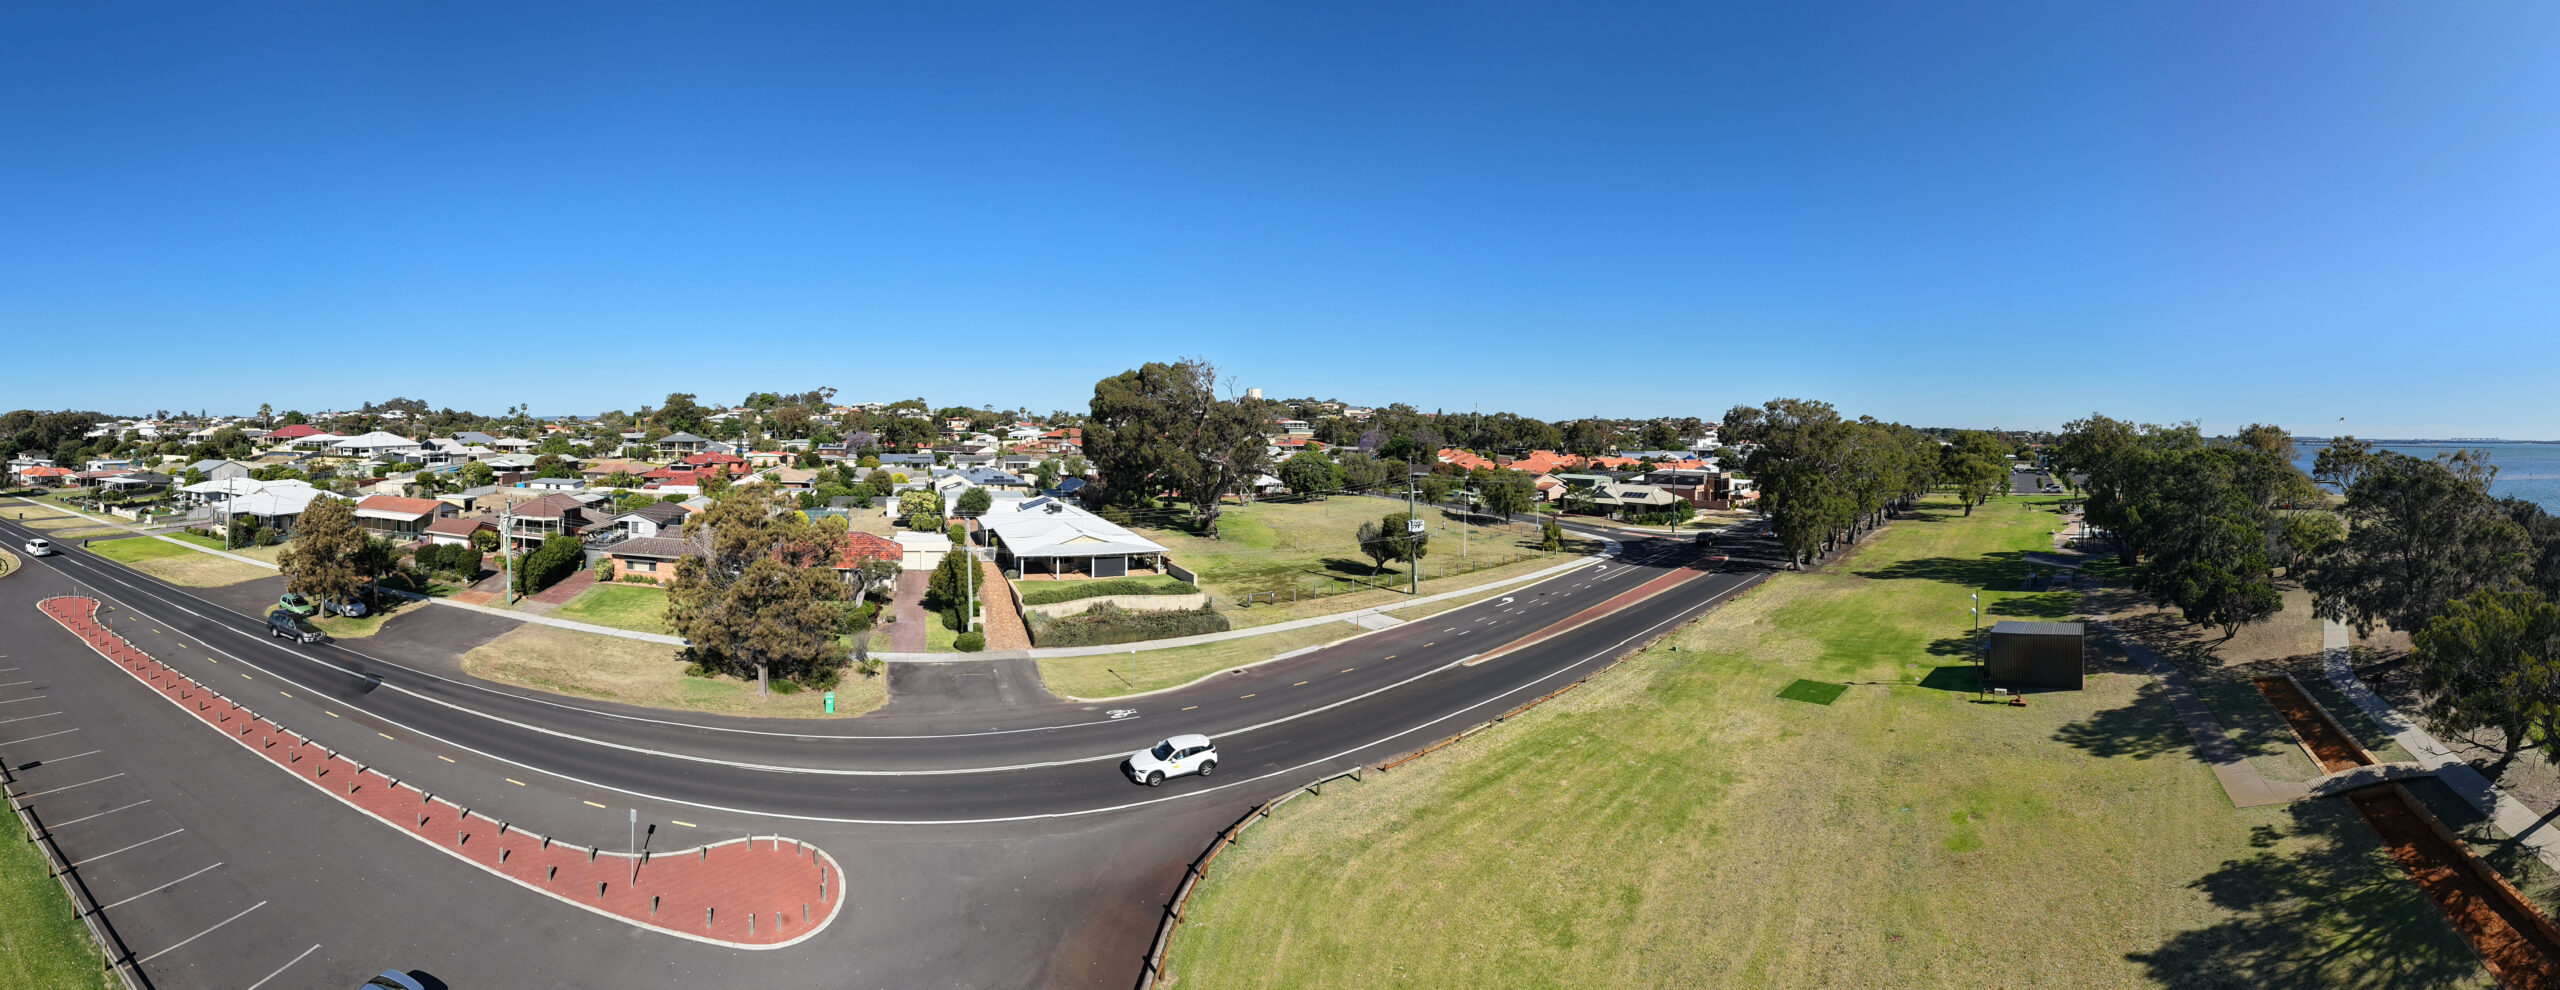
[[2529, 471]]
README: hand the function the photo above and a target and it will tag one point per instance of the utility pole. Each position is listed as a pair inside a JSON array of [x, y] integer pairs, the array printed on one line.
[[1412, 535], [507, 544]]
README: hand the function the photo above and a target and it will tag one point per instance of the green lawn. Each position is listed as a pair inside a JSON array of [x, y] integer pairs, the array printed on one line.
[[1110, 675], [1677, 823], [176, 564], [136, 549], [637, 607], [1053, 592], [1310, 546], [42, 944], [591, 665]]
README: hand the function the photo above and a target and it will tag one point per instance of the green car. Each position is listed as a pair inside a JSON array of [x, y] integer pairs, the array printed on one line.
[[297, 605]]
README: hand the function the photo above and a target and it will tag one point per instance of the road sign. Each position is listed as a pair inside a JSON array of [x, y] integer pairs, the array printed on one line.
[[1413, 525]]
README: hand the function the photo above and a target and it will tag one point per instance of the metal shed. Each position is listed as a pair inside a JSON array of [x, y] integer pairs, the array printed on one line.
[[2036, 654]]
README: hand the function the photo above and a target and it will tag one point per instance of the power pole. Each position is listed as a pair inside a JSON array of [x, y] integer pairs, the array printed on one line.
[[1412, 530], [507, 544]]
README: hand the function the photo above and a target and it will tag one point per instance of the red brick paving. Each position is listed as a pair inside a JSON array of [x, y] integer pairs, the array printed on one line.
[[568, 588], [1001, 619], [756, 893]]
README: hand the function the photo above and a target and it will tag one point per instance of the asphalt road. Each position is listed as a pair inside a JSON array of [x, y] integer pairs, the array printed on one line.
[[987, 834]]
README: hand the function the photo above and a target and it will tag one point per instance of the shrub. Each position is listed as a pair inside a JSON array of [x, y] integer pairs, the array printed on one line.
[[1105, 623], [604, 568], [1118, 515], [548, 563], [484, 540], [970, 642], [783, 685], [1052, 592]]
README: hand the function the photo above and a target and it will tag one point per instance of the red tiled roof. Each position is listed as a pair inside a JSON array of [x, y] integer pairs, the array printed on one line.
[[46, 472], [1467, 459], [295, 432], [713, 457], [859, 547], [403, 506]]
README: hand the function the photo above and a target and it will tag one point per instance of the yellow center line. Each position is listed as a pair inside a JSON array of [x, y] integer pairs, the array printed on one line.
[[386, 735], [685, 824], [443, 757], [1247, 696], [514, 781], [286, 693], [331, 714], [1390, 656], [1349, 669], [591, 804], [1299, 684], [1427, 645], [1189, 707], [246, 677]]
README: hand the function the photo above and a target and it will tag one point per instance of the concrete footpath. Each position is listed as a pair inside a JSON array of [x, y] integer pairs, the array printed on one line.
[[2522, 824], [2245, 785]]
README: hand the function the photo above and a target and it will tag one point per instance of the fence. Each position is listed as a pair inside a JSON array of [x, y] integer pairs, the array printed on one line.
[[119, 957]]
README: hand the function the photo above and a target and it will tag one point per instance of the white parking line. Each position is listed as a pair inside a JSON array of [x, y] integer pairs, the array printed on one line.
[[66, 787], [306, 953], [200, 934], [102, 908], [30, 739], [5, 721], [32, 764], [129, 848], [16, 683], [34, 697], [101, 814]]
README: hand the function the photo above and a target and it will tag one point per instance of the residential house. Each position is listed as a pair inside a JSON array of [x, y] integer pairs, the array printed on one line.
[[681, 444], [288, 434], [459, 530], [1467, 460], [555, 484], [1051, 539], [45, 475], [771, 458], [277, 505], [909, 464], [1618, 499], [513, 445], [397, 518], [650, 558], [653, 519], [469, 499], [530, 522], [475, 438], [919, 551], [597, 471], [314, 441], [859, 547], [376, 444], [721, 460]]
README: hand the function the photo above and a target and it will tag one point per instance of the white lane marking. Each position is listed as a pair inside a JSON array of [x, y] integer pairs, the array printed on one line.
[[13, 701], [129, 848], [306, 953], [32, 764], [66, 787], [30, 739], [103, 908], [201, 934], [101, 814]]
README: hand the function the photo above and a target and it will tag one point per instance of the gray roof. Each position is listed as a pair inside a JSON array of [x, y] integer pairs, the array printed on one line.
[[660, 547], [2016, 628], [661, 513], [682, 438]]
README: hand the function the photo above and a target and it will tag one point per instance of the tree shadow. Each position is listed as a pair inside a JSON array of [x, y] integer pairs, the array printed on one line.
[[2336, 912], [2050, 606], [1985, 571], [1956, 678], [1964, 646], [2142, 728]]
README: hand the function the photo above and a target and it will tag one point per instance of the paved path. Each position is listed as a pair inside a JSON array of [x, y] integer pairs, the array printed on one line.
[[1001, 619], [907, 635], [2513, 817], [2247, 787]]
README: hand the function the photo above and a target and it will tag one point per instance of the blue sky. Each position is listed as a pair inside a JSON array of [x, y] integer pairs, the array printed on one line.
[[1951, 214]]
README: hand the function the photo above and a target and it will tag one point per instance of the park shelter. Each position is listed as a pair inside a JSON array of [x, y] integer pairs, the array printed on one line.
[[2035, 654]]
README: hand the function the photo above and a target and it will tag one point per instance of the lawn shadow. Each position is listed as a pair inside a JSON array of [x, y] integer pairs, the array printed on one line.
[[2142, 728], [2001, 569], [1965, 647], [2049, 606], [2337, 914], [1958, 678]]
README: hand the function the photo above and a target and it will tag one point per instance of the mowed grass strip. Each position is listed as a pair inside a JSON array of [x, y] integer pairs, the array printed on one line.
[[176, 564], [1110, 675], [1677, 823], [42, 943], [1037, 592], [637, 607], [1814, 692], [610, 668]]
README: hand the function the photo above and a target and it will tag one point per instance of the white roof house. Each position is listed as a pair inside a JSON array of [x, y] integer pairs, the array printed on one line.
[[376, 442], [1053, 536], [315, 441]]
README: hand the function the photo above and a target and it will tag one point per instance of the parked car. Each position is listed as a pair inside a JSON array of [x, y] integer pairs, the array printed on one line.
[[1173, 757], [297, 605], [287, 625], [40, 548], [349, 607], [393, 980]]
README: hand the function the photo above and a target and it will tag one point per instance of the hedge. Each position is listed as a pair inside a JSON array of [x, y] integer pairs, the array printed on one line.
[[556, 558], [1053, 592], [1106, 623]]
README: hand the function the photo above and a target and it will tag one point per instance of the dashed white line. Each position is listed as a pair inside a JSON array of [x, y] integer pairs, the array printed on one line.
[[101, 814], [102, 908], [129, 848], [30, 739], [66, 787]]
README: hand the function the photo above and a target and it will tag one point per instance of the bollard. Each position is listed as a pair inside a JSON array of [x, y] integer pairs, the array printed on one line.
[[599, 889], [706, 917], [552, 874], [653, 905]]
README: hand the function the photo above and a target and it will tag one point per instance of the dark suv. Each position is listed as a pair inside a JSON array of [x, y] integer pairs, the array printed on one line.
[[291, 626]]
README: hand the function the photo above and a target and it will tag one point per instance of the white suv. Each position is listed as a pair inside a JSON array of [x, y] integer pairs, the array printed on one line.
[[40, 548], [1172, 758]]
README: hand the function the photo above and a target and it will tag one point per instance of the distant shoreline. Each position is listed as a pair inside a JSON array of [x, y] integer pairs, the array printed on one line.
[[2379, 442]]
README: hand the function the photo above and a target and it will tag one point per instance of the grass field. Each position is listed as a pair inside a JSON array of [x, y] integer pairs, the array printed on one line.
[[59, 523], [176, 564], [42, 944], [1309, 547], [1677, 823], [611, 668], [1110, 675], [637, 607], [1053, 592]]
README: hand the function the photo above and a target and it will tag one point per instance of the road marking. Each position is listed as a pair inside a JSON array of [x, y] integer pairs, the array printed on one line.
[[201, 934], [386, 735], [1349, 669], [331, 714], [684, 823], [102, 908], [246, 677], [1189, 707], [591, 804], [1390, 656], [101, 814], [16, 683], [30, 739], [32, 764], [286, 693], [5, 721], [13, 701], [136, 845], [1247, 696], [1428, 645], [512, 780], [1299, 684], [306, 953], [443, 757]]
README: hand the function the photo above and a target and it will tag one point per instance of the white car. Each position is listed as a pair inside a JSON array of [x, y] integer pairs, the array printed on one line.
[[39, 548], [1172, 758]]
